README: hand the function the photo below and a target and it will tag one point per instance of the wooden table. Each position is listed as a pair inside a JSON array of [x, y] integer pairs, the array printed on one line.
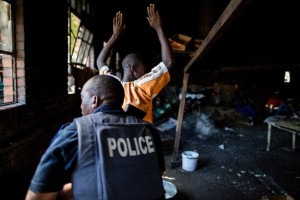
[[290, 125]]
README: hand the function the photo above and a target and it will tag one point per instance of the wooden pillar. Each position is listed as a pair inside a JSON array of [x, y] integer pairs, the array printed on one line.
[[180, 116]]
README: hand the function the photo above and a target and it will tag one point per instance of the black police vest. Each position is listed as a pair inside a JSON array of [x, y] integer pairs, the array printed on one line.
[[117, 159]]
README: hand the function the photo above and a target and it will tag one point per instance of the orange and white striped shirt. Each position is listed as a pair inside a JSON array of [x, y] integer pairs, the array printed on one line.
[[142, 91]]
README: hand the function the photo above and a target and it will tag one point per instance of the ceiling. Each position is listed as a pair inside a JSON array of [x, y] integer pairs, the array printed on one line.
[[265, 33]]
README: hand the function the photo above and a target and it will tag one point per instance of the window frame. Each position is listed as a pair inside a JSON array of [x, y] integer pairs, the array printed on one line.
[[8, 77], [83, 38], [80, 43]]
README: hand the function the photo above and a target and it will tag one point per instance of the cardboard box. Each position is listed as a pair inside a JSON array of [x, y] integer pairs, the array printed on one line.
[[277, 197], [198, 43], [180, 42]]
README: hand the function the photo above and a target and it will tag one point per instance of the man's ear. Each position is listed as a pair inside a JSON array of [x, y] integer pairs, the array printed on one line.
[[96, 101], [132, 67]]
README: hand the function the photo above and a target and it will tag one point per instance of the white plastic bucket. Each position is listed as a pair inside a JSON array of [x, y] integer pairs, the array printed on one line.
[[189, 160]]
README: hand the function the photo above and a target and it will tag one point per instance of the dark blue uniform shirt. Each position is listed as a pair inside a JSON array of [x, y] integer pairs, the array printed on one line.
[[59, 161]]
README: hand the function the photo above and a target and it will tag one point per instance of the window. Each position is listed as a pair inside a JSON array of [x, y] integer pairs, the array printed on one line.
[[287, 77], [80, 42], [7, 54], [80, 39]]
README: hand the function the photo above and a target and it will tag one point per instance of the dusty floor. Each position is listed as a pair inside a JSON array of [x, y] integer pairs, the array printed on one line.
[[234, 163]]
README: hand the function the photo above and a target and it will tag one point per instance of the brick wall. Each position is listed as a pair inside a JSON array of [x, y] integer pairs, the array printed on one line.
[[26, 128]]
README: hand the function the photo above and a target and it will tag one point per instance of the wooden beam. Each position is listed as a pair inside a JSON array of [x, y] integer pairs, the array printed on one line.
[[230, 13], [180, 117]]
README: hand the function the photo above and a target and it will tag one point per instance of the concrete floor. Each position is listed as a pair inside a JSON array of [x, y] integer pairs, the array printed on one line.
[[234, 163]]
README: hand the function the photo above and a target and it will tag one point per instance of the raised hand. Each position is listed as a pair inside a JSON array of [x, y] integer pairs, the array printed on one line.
[[154, 17], [118, 26]]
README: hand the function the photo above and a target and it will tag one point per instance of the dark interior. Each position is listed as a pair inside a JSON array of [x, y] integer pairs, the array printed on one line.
[[251, 50]]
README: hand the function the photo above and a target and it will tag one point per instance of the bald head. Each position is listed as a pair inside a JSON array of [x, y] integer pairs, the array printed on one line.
[[100, 90], [131, 59], [133, 67]]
